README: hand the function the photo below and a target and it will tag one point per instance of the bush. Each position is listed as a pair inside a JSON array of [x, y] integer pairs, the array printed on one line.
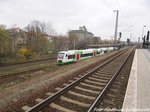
[[28, 54], [24, 53], [2, 58]]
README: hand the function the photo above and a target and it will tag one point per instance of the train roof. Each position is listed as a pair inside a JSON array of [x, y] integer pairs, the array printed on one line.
[[85, 50], [76, 51]]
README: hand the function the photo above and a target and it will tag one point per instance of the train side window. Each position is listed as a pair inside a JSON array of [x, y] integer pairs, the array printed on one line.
[[71, 56], [66, 55], [98, 52], [88, 54]]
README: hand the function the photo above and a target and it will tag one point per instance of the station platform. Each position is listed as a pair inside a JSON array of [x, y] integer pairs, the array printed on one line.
[[137, 98]]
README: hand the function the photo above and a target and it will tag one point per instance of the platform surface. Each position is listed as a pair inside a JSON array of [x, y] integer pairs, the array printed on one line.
[[137, 98]]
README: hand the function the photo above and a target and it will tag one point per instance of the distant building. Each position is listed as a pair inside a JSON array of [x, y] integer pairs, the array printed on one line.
[[96, 40], [17, 37], [79, 39], [82, 33]]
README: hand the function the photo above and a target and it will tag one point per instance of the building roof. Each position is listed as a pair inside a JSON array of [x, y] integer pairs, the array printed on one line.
[[80, 31]]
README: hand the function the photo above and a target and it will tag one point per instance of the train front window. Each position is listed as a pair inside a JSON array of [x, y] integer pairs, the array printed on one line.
[[61, 55]]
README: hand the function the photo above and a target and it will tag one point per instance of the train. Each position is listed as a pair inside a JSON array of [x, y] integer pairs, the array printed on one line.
[[71, 56]]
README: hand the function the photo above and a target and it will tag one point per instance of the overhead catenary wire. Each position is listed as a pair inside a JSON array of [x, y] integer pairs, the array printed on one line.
[[124, 24]]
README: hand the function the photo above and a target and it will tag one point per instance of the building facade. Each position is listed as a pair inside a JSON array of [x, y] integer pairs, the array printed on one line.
[[82, 33], [17, 37], [80, 38]]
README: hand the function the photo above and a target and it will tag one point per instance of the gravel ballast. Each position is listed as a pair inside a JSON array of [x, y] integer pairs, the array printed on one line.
[[20, 94]]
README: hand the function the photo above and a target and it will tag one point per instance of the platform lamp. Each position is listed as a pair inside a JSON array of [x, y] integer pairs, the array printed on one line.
[[143, 30]]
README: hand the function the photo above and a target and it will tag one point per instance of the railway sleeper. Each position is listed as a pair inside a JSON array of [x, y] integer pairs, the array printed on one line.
[[65, 84], [81, 95], [81, 104], [95, 82], [58, 89], [101, 77], [38, 100], [76, 78], [49, 93], [25, 108], [60, 108], [108, 101], [98, 79], [111, 95], [102, 74], [107, 71], [87, 90], [91, 86]]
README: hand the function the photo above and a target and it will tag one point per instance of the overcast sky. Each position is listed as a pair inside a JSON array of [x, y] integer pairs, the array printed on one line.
[[96, 15]]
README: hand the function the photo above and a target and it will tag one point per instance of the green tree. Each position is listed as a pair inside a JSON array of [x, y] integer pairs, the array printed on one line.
[[4, 41], [4, 45]]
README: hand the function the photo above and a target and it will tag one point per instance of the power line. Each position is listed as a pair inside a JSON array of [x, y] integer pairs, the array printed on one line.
[[122, 12], [107, 4], [123, 2]]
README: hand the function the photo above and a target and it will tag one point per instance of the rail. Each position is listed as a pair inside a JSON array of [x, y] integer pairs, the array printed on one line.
[[50, 99]]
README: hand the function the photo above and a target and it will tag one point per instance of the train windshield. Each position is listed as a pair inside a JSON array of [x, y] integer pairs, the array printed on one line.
[[60, 55]]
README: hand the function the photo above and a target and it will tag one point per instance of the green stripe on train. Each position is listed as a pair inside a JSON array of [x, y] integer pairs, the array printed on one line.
[[82, 58], [61, 63]]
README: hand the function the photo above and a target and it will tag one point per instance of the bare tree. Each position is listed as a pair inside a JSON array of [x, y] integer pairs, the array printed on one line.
[[59, 43], [73, 40], [37, 40]]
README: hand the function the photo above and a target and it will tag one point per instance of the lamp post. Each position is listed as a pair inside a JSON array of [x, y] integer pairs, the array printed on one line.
[[143, 30], [116, 25]]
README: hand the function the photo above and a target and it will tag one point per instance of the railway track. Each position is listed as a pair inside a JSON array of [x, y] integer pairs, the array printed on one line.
[[27, 62], [7, 77], [114, 96], [14, 76], [83, 93]]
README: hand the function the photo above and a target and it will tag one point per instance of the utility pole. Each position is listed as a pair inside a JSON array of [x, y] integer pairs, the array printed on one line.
[[143, 32], [116, 25]]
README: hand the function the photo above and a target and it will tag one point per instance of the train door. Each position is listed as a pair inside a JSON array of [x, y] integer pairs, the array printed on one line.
[[94, 53], [77, 56]]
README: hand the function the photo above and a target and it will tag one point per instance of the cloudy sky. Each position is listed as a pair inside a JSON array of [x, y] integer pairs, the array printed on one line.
[[96, 15]]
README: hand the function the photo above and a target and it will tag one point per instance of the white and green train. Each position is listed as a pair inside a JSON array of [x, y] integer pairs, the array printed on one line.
[[76, 55]]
